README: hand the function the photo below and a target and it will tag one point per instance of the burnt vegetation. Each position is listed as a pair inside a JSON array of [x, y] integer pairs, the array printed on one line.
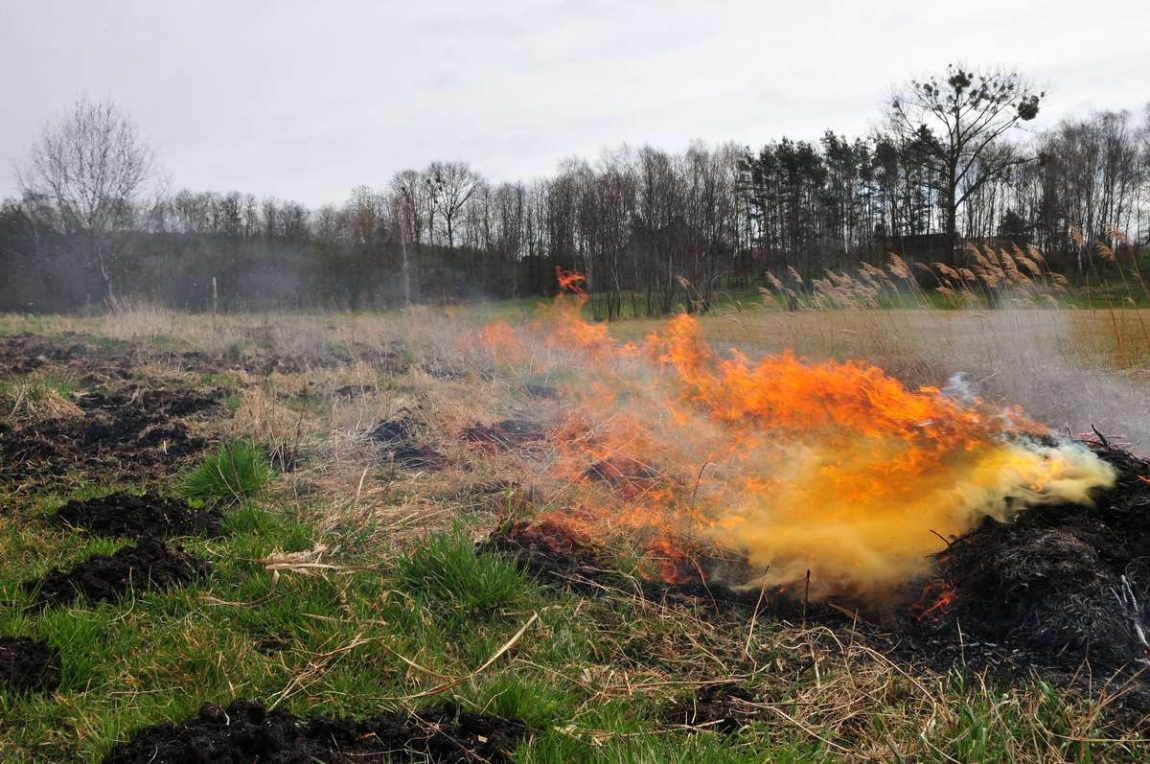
[[1065, 585]]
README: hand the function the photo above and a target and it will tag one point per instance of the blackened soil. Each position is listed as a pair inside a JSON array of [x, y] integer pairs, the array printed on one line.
[[245, 732], [128, 515], [718, 707], [80, 355], [1063, 583], [148, 565], [28, 666], [132, 432]]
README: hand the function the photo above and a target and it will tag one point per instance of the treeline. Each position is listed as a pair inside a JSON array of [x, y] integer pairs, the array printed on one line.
[[653, 230]]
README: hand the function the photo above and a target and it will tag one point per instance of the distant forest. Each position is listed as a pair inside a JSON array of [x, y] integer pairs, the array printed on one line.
[[653, 230]]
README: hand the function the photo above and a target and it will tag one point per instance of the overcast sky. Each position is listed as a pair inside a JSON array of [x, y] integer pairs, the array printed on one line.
[[305, 100]]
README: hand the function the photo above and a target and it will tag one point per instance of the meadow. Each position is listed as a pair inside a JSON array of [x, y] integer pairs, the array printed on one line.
[[347, 584]]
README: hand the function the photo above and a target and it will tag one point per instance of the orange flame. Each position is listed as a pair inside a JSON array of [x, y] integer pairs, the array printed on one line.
[[569, 281], [937, 601], [799, 465]]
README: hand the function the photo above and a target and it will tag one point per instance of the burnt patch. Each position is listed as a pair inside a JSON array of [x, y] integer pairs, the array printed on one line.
[[248, 732], [1062, 584], [556, 554], [68, 352], [161, 403], [148, 565], [27, 665], [718, 707], [128, 515]]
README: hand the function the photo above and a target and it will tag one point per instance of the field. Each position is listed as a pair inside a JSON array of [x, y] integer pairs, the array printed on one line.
[[356, 499]]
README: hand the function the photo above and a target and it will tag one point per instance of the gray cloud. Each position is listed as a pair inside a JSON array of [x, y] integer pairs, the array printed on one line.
[[307, 99]]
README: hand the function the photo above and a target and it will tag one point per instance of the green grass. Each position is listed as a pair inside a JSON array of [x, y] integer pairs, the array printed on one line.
[[447, 576], [229, 475]]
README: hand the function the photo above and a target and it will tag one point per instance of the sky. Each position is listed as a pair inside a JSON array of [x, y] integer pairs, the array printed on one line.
[[306, 100]]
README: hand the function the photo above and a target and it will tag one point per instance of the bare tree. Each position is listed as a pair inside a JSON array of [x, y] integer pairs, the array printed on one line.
[[93, 165], [960, 121], [452, 184]]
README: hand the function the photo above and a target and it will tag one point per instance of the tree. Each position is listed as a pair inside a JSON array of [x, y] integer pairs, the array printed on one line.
[[965, 115], [93, 166], [451, 185]]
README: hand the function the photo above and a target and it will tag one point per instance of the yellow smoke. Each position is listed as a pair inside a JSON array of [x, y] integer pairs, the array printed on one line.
[[844, 515]]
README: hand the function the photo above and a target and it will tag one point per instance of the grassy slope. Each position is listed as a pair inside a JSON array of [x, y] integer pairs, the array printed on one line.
[[410, 614]]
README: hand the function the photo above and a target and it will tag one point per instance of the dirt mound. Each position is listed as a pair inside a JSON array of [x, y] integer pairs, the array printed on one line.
[[247, 732], [718, 707], [626, 476], [545, 392], [551, 552], [150, 565], [129, 433], [504, 436], [393, 432], [1061, 583], [417, 458], [28, 666], [124, 514], [398, 445], [350, 392], [554, 553]]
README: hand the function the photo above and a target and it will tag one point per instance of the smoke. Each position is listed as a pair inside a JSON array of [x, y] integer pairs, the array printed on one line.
[[857, 524], [828, 467]]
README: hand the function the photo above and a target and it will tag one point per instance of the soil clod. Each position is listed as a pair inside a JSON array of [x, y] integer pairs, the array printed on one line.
[[27, 665], [127, 515], [147, 565], [249, 732], [629, 477], [717, 707], [504, 436]]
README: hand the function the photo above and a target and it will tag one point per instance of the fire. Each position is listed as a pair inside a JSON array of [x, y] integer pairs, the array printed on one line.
[[937, 601], [569, 281], [835, 468]]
